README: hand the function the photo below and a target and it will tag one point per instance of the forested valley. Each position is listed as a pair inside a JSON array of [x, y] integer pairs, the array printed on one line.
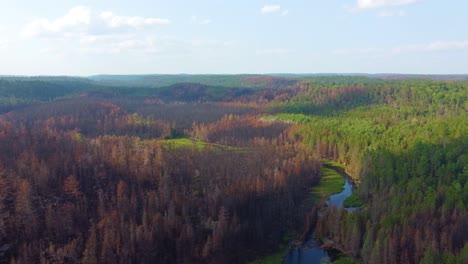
[[218, 168]]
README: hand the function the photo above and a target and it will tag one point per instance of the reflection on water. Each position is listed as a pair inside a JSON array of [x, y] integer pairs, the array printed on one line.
[[310, 251], [338, 199], [309, 255]]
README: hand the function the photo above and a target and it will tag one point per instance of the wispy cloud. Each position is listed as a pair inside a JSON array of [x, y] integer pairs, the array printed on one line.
[[268, 9], [274, 9], [447, 45], [400, 13], [432, 47], [75, 19], [116, 21], [81, 21], [369, 4]]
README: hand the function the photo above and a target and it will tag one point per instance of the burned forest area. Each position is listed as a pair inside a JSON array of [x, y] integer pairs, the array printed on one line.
[[220, 168]]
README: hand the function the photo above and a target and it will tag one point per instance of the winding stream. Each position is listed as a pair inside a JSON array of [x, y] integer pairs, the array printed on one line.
[[310, 251]]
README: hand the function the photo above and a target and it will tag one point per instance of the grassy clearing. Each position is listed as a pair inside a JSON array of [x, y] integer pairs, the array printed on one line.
[[180, 143], [330, 183], [333, 164], [353, 201]]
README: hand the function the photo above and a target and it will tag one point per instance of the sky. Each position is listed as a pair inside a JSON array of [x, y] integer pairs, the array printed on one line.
[[229, 37]]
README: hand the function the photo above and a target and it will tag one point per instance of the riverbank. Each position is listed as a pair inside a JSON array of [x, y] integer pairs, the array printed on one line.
[[331, 182]]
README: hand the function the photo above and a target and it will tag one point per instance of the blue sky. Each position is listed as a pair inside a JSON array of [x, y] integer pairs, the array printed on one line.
[[309, 36]]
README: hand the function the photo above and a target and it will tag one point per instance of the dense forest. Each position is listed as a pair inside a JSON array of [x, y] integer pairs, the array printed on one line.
[[218, 168]]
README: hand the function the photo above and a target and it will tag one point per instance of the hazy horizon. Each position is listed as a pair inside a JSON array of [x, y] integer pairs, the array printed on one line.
[[286, 74], [88, 38]]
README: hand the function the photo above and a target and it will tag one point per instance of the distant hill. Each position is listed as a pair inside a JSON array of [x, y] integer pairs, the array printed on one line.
[[161, 80], [443, 77]]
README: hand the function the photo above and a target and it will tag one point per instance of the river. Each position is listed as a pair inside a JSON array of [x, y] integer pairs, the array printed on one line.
[[310, 251]]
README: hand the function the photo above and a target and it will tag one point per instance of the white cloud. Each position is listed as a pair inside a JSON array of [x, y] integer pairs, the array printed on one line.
[[274, 9], [115, 21], [76, 18], [400, 13], [268, 9], [80, 21], [438, 46], [277, 51], [87, 40], [368, 4], [432, 47], [447, 45]]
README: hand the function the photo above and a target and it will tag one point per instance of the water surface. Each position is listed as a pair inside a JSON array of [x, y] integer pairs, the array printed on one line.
[[310, 251]]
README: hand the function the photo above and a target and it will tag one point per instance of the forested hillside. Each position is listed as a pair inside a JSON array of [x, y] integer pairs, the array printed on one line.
[[162, 80], [218, 169], [405, 142]]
